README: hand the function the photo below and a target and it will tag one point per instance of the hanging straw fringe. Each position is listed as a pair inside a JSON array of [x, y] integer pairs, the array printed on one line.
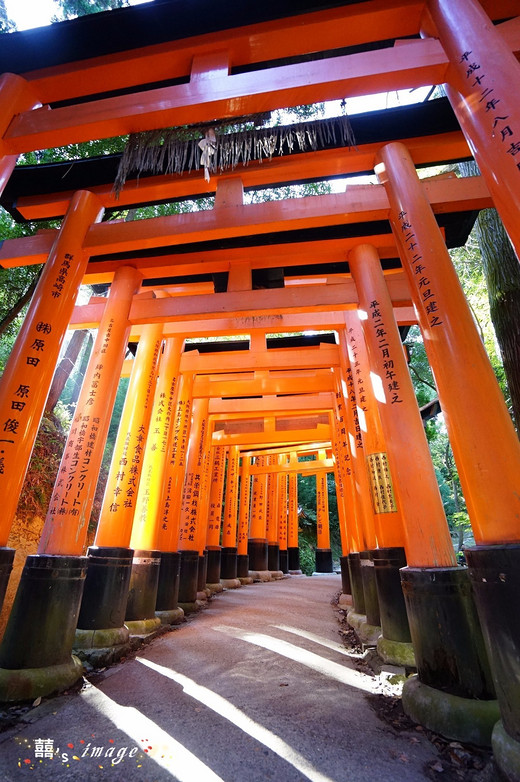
[[179, 150]]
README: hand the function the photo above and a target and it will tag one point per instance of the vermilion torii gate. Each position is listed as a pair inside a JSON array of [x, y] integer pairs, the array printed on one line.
[[359, 262]]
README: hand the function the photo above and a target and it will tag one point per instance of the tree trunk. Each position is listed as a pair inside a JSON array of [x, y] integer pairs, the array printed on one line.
[[502, 272], [64, 369]]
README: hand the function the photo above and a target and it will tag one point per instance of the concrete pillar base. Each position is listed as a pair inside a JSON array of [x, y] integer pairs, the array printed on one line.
[[368, 634], [461, 719], [276, 575], [295, 573], [202, 595], [345, 600], [174, 616], [321, 573], [143, 627], [29, 683], [99, 639], [245, 580], [215, 588], [260, 575], [506, 752], [194, 606], [230, 583], [396, 652]]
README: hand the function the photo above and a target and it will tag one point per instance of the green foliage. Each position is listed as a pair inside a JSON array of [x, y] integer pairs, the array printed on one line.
[[69, 9]]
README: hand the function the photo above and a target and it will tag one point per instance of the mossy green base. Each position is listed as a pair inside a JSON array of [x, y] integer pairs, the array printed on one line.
[[215, 588], [172, 617], [245, 580], [367, 634], [230, 583], [98, 639], [143, 626], [396, 652], [30, 683], [192, 608], [260, 575], [506, 751], [460, 719]]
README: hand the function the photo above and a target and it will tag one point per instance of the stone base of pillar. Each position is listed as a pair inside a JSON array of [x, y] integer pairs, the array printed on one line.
[[460, 719], [273, 557], [345, 601], [188, 577], [168, 585], [202, 573], [101, 647], [214, 564], [258, 554], [260, 575], [345, 576], [215, 589], [506, 752], [229, 567], [293, 557], [276, 575], [193, 607], [231, 583], [105, 592], [356, 583], [175, 616], [396, 652], [368, 578], [143, 628], [296, 573], [6, 565], [495, 577], [284, 561], [245, 580], [392, 608], [142, 593], [29, 683], [242, 566], [36, 652], [445, 630], [202, 596], [324, 560], [367, 633]]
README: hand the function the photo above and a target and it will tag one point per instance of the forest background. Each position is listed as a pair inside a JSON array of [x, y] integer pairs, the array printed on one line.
[[487, 268]]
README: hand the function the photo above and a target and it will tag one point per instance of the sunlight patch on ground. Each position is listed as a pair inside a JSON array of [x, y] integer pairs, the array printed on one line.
[[221, 706], [160, 747], [326, 667]]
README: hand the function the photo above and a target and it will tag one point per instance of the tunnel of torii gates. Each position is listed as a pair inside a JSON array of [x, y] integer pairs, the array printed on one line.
[[360, 265]]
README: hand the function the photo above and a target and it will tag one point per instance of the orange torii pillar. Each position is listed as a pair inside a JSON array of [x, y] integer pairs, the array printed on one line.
[[243, 521], [257, 544], [484, 91], [216, 492], [16, 96], [352, 538], [362, 576], [148, 508], [488, 456], [449, 649], [271, 526], [190, 522], [229, 568], [35, 656], [109, 567], [346, 588], [389, 556], [282, 519], [323, 550], [165, 491], [27, 377]]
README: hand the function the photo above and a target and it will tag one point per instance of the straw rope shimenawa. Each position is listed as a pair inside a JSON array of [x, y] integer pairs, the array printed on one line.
[[222, 147]]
